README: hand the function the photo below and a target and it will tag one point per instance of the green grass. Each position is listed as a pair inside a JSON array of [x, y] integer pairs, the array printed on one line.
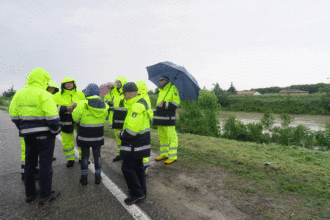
[[4, 103], [294, 172]]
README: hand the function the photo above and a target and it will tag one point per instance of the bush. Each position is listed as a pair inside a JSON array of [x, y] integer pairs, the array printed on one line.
[[235, 129], [200, 117]]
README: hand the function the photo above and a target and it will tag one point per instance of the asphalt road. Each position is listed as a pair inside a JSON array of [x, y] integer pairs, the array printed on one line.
[[75, 202]]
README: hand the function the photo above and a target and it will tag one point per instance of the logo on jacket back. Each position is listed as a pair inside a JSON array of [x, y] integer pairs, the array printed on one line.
[[134, 115]]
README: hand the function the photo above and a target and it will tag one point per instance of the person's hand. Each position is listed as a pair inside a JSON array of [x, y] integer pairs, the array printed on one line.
[[161, 104], [118, 134], [70, 108], [73, 104]]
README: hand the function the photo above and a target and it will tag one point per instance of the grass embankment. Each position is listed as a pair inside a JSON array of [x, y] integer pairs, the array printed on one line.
[[4, 103], [297, 177]]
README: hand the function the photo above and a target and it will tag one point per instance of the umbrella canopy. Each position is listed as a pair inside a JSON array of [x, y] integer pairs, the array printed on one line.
[[187, 85]]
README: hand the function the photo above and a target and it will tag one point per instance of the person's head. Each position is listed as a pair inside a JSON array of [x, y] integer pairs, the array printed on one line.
[[130, 90], [51, 90], [52, 87], [118, 82], [91, 90], [69, 85], [162, 82]]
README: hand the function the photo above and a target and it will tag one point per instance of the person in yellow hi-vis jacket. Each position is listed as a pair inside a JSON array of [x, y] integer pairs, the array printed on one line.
[[143, 92], [53, 89], [91, 115], [117, 123], [135, 144], [34, 112], [66, 101], [167, 102]]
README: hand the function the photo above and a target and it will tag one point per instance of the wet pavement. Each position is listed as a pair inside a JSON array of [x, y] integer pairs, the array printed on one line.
[[75, 202]]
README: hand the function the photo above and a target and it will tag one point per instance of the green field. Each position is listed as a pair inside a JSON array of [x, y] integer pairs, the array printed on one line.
[[313, 104]]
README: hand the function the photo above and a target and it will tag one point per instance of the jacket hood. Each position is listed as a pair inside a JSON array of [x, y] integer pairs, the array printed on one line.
[[38, 77], [68, 79], [52, 84], [123, 81], [92, 89], [142, 86], [96, 106], [129, 103]]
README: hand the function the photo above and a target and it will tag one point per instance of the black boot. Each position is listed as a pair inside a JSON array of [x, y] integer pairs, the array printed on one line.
[[83, 180], [70, 163], [117, 158], [98, 178]]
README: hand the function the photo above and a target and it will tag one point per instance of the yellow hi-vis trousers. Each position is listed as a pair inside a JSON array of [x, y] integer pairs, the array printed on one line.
[[68, 146], [168, 141], [145, 160], [118, 140], [23, 150]]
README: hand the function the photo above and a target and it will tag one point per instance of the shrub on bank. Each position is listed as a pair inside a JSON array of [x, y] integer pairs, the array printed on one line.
[[284, 135], [200, 117]]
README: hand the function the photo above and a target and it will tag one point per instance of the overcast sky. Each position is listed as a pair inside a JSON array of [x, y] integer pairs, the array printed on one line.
[[252, 43]]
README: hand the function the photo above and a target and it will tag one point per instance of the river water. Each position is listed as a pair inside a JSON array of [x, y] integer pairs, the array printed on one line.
[[313, 122]]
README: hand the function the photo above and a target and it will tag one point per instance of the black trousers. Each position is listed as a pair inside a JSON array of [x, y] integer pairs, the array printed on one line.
[[134, 175], [85, 156], [42, 146]]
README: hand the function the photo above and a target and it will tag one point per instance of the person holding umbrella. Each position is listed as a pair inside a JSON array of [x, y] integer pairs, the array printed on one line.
[[175, 85], [167, 102]]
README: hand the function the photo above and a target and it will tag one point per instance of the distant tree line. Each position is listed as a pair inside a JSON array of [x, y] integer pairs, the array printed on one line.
[[9, 93], [311, 88]]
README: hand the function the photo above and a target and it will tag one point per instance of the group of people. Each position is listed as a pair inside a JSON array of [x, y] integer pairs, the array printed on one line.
[[40, 111]]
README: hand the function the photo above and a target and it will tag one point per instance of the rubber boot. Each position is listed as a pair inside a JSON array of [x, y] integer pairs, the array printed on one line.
[[98, 178], [83, 180]]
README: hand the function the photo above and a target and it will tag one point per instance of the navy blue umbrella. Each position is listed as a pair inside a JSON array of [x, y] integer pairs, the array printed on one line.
[[187, 85]]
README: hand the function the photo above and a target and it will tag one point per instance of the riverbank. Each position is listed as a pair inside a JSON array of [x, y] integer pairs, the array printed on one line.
[[314, 122]]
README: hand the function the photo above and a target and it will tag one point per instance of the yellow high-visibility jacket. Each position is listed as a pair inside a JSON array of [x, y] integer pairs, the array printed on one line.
[[135, 136], [90, 115], [33, 109], [117, 100], [63, 99], [166, 115]]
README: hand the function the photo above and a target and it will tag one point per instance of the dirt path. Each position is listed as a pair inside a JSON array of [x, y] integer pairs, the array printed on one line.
[[184, 194]]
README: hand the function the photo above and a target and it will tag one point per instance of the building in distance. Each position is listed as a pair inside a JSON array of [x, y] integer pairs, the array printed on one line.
[[293, 92], [248, 93]]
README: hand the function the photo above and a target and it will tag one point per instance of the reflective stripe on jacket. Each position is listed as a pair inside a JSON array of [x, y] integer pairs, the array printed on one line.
[[63, 99], [90, 115], [135, 136], [33, 109], [166, 115]]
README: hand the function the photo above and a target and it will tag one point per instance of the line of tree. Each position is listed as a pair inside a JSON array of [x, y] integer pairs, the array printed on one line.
[[9, 93], [311, 88]]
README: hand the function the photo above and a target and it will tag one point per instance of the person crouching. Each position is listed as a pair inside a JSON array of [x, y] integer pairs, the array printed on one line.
[[135, 142], [90, 114]]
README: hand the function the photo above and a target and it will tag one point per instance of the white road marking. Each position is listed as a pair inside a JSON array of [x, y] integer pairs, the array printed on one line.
[[134, 210]]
